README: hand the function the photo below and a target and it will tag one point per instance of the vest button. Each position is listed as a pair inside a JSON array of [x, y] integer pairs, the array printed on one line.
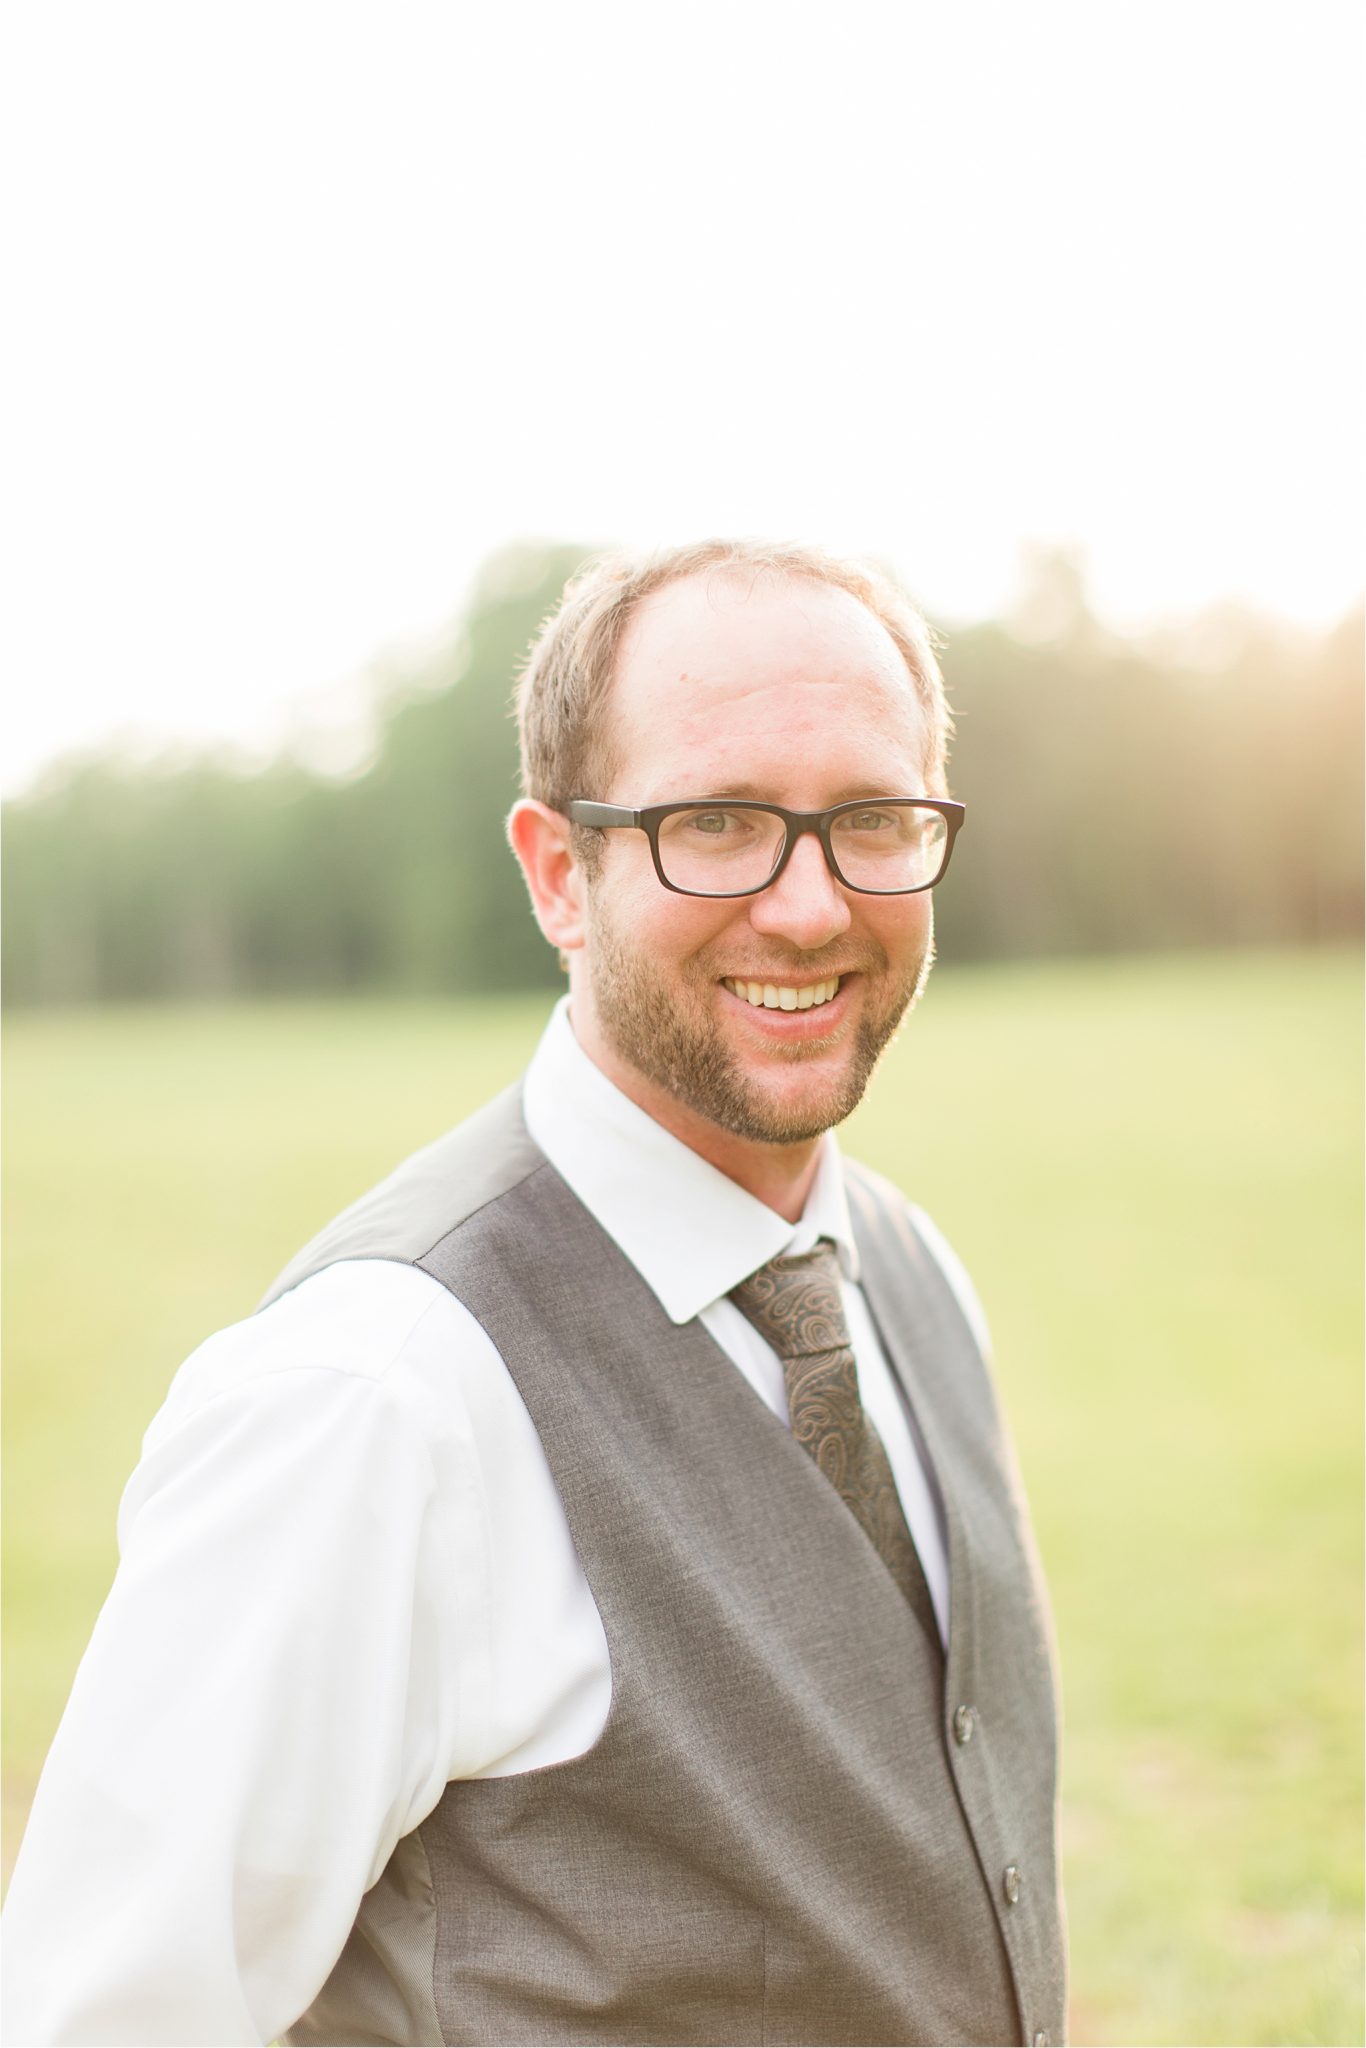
[[1041, 2039], [1010, 1884], [964, 1721]]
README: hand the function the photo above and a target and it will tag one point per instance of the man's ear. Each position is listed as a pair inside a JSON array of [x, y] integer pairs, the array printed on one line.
[[540, 839]]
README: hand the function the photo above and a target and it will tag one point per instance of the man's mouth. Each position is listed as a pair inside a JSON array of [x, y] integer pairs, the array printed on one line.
[[778, 995]]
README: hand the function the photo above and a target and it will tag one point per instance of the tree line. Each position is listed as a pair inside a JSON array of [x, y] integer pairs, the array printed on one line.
[[1122, 793]]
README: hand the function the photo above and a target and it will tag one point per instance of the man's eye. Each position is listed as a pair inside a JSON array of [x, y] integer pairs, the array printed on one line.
[[713, 823], [870, 821]]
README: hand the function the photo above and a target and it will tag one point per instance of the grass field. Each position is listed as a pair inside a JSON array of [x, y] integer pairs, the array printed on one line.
[[1152, 1168]]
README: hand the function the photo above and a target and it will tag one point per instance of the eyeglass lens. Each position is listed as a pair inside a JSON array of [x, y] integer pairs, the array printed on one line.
[[719, 850]]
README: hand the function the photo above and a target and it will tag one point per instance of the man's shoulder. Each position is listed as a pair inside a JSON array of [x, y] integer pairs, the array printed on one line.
[[427, 1196], [899, 1228], [878, 1207]]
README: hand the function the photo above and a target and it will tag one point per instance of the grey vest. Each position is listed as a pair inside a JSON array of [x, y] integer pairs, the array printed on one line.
[[786, 1832]]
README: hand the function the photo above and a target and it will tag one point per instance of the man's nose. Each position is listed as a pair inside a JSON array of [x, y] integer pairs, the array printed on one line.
[[806, 905]]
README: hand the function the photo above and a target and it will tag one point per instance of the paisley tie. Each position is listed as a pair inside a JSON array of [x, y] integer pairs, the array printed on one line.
[[795, 1304]]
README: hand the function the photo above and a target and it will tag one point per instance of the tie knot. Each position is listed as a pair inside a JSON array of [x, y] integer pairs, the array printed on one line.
[[794, 1302]]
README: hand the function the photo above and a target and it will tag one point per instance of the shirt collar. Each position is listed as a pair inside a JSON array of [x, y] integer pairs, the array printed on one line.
[[691, 1233]]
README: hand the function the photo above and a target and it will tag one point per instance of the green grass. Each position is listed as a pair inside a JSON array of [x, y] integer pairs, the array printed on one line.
[[1152, 1168]]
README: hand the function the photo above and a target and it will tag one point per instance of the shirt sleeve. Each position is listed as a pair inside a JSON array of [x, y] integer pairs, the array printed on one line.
[[264, 1708]]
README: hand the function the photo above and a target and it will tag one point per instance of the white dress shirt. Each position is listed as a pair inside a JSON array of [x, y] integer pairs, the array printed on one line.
[[346, 1578]]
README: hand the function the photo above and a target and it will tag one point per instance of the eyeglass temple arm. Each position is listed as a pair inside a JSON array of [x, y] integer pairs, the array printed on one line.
[[581, 812]]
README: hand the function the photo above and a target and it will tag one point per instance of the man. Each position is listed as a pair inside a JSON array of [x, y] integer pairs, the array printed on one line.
[[591, 1601]]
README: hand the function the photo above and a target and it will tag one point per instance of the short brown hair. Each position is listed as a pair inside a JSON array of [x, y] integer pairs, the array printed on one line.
[[563, 690]]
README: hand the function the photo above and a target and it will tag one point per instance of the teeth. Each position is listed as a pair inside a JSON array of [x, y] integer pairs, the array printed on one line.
[[767, 995]]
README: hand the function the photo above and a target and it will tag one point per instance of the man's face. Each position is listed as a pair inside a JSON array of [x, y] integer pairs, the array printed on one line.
[[785, 692]]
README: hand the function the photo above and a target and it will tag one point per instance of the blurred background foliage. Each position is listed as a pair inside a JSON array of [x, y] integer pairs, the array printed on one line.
[[1200, 786]]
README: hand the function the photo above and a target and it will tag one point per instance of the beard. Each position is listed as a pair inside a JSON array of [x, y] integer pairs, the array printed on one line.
[[675, 1040]]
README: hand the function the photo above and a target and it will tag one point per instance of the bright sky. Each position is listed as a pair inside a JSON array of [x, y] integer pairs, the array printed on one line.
[[314, 305]]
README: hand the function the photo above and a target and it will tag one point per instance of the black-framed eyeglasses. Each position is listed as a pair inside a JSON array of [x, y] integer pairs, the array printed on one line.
[[879, 846]]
